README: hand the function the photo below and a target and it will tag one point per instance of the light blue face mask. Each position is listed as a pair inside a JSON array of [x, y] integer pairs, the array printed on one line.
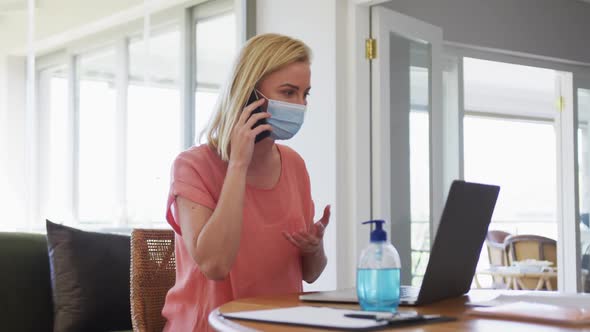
[[286, 118]]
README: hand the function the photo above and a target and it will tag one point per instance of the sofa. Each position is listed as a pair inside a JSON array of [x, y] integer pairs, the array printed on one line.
[[26, 295], [25, 283]]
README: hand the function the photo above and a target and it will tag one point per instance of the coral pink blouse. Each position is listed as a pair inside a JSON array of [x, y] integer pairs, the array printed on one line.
[[266, 263]]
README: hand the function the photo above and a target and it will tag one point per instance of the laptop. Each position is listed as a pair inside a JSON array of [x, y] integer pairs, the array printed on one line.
[[454, 254]]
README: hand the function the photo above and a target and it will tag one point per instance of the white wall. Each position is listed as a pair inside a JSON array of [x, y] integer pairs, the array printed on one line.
[[3, 129], [551, 28], [314, 22], [12, 114], [3, 118]]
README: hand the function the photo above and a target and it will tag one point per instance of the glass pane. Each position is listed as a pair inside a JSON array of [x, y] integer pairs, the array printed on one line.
[[520, 157], [58, 202], [205, 101], [503, 88], [419, 158], [216, 49], [522, 162], [584, 183], [161, 62], [410, 154], [97, 145], [153, 124], [509, 140], [419, 191]]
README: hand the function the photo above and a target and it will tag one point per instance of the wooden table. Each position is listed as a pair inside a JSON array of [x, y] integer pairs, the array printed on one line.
[[452, 307]]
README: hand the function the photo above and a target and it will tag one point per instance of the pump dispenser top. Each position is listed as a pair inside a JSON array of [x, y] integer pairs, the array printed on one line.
[[377, 235]]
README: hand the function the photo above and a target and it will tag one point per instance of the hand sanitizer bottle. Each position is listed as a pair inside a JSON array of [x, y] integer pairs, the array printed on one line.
[[378, 273]]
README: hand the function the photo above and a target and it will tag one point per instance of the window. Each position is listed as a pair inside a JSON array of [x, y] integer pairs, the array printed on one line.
[[214, 61], [97, 136], [519, 156], [153, 124], [419, 172], [508, 89], [110, 143], [509, 139], [53, 88]]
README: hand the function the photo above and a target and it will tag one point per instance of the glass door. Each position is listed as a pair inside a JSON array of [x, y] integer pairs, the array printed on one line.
[[406, 148]]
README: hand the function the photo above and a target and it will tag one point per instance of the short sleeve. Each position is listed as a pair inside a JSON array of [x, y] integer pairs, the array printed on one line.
[[188, 180]]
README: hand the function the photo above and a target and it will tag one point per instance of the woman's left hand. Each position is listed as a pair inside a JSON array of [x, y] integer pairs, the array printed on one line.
[[310, 241]]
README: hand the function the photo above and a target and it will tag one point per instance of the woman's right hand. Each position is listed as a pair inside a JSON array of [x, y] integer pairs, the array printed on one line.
[[243, 136]]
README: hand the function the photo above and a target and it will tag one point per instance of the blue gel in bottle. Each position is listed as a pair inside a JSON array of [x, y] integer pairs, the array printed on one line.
[[378, 273]]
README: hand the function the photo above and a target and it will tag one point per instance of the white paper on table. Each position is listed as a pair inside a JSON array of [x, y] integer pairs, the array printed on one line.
[[311, 316], [566, 300]]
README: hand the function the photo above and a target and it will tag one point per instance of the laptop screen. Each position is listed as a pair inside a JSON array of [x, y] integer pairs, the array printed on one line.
[[458, 242]]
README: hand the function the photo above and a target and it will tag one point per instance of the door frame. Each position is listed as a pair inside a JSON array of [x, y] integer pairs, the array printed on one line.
[[568, 233], [353, 175], [581, 80]]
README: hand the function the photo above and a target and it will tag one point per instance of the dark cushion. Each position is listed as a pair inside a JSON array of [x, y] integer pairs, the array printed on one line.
[[25, 287], [90, 279]]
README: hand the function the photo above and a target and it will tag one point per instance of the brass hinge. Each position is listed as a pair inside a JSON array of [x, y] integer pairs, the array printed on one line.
[[370, 48], [560, 104]]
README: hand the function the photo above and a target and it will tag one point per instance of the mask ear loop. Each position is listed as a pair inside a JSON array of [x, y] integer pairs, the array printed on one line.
[[256, 90]]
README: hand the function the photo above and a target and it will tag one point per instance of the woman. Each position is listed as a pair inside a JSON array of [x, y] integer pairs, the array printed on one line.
[[241, 205]]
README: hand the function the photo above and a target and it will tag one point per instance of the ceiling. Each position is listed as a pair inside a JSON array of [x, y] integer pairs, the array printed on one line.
[[20, 6], [16, 6]]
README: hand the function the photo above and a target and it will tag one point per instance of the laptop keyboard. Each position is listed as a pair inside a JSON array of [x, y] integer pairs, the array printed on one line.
[[409, 291]]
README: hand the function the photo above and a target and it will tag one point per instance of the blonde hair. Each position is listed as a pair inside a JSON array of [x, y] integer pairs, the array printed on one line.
[[260, 56]]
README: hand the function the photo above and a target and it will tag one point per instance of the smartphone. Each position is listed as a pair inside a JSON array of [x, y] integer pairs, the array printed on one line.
[[266, 133]]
